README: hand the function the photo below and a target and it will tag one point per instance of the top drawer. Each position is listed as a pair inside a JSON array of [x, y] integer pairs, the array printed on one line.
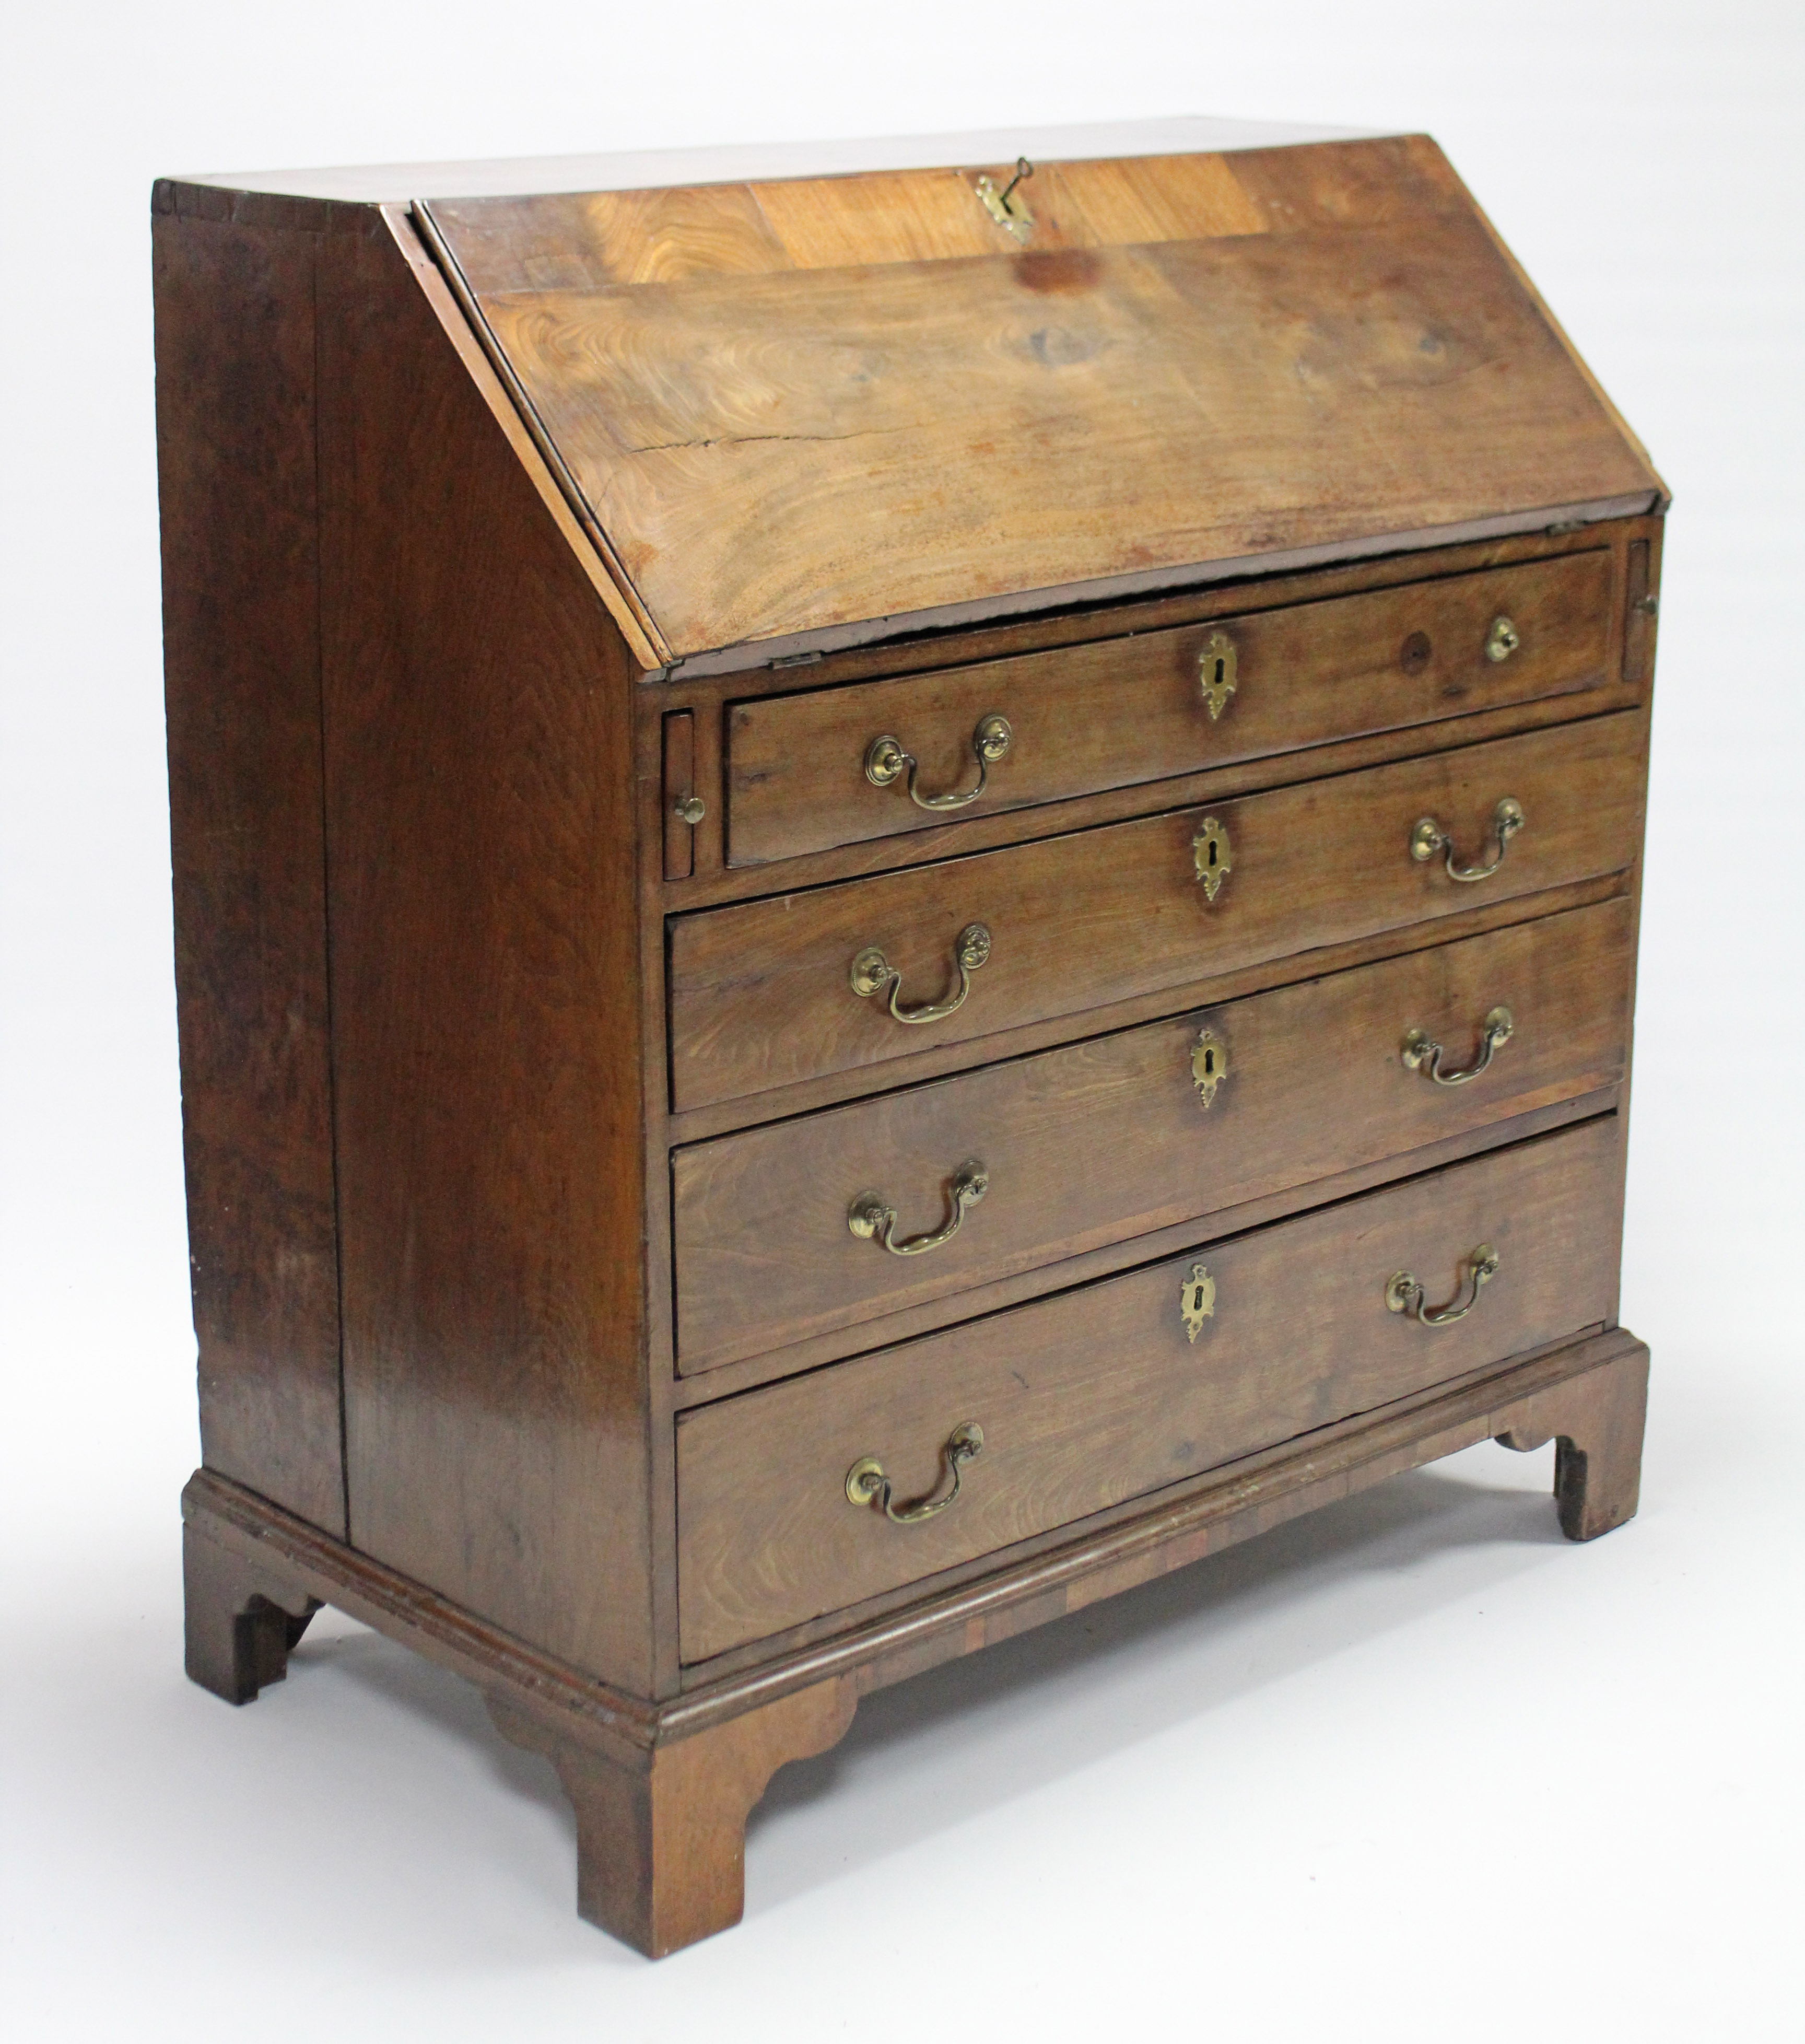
[[807, 772]]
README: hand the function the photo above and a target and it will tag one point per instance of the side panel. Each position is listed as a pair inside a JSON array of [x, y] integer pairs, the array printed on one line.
[[234, 378], [485, 996]]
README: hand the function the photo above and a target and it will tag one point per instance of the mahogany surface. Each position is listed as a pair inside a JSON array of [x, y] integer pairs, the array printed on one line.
[[538, 569]]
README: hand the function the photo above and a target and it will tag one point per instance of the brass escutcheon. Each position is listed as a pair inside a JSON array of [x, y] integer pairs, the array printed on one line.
[[1502, 640], [1197, 1302], [1428, 838], [872, 972], [1209, 851], [867, 1485], [1209, 1064], [872, 1218], [885, 759], [1423, 1054], [1216, 672], [1003, 206], [1403, 1294]]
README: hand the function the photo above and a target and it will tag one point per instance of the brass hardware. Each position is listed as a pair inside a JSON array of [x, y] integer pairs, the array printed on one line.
[[871, 1217], [885, 759], [1196, 1303], [1209, 849], [872, 972], [1209, 1064], [1502, 640], [1015, 217], [867, 1484], [1216, 672], [1428, 838], [1648, 604], [1422, 1053], [692, 810], [1404, 1295]]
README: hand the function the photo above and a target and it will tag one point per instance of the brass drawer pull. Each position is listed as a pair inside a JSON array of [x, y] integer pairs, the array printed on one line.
[[1404, 1295], [872, 1218], [867, 1484], [872, 972], [1428, 838], [1423, 1054], [1502, 640], [885, 759]]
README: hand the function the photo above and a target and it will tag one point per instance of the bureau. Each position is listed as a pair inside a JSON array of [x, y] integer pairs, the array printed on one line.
[[905, 886]]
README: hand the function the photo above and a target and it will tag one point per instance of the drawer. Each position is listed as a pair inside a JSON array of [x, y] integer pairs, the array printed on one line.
[[1101, 1395], [1100, 1142], [1122, 711], [762, 993]]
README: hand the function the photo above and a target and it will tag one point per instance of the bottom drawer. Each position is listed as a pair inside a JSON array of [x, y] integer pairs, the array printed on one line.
[[1106, 1393]]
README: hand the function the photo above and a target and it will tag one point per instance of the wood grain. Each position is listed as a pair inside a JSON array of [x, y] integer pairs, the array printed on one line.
[[236, 481], [761, 996], [1107, 1140], [1096, 1396], [482, 871], [1122, 711], [800, 450]]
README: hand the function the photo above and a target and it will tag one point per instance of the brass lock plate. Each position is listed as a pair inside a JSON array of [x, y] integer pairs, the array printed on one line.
[[1216, 672], [1209, 848], [1209, 1064], [1196, 1303]]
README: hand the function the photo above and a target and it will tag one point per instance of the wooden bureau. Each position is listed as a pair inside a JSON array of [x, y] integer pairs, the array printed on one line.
[[901, 894]]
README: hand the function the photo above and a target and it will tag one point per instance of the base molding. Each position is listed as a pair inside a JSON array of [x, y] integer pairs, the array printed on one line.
[[663, 1789]]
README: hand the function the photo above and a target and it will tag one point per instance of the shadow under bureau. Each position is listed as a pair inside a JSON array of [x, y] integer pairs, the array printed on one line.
[[900, 894]]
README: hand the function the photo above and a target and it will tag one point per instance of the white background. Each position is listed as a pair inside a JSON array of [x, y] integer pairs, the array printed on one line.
[[1413, 1768]]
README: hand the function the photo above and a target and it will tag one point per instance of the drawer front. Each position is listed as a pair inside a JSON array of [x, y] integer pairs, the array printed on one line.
[[1102, 1141], [762, 994], [1100, 1396], [1122, 711]]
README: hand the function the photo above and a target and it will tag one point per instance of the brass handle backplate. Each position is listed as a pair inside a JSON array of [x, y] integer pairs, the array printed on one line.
[[885, 760], [1423, 1054], [872, 972], [1428, 838], [872, 1218], [867, 1485], [1503, 640], [1403, 1294]]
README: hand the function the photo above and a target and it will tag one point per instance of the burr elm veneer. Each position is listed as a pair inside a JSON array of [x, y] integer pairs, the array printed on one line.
[[902, 892]]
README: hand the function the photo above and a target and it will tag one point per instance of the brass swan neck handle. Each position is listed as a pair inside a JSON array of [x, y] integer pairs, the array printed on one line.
[[1404, 1292], [885, 759], [1428, 838], [867, 1485], [872, 1218], [872, 973], [1422, 1053]]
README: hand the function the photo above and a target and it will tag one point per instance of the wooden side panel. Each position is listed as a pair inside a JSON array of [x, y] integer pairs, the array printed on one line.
[[1099, 1395], [234, 370], [486, 999]]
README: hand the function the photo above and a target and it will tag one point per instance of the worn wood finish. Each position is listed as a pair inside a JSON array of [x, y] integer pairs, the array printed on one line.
[[1097, 1396], [768, 451], [1121, 711], [1110, 1139], [235, 412], [761, 995], [482, 861]]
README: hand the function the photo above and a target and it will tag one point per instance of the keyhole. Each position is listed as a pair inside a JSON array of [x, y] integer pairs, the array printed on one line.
[[1219, 668], [1209, 1064], [1212, 851]]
